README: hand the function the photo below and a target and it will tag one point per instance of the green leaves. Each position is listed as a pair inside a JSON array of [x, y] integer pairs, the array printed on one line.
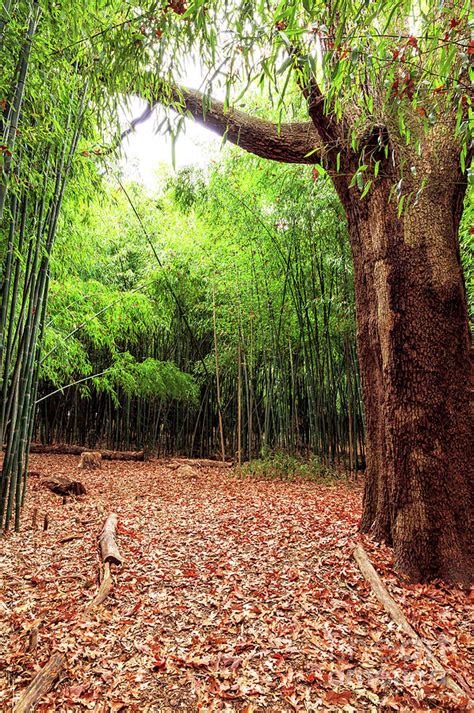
[[150, 379]]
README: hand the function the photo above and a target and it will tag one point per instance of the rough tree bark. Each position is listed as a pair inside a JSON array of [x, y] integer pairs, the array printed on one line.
[[414, 351], [412, 331]]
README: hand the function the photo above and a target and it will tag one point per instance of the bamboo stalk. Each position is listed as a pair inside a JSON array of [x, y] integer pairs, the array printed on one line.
[[218, 387]]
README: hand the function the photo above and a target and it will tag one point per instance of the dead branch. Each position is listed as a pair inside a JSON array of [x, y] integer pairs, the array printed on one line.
[[69, 538], [104, 589], [399, 618], [41, 684], [110, 555]]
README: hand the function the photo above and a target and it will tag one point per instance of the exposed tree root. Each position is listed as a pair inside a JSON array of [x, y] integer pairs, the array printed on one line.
[[399, 618]]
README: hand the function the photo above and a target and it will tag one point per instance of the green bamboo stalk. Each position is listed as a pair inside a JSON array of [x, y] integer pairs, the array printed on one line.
[[11, 319], [14, 114], [7, 270], [4, 17]]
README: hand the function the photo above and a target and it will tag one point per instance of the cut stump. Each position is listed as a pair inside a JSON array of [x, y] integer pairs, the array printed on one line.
[[90, 460]]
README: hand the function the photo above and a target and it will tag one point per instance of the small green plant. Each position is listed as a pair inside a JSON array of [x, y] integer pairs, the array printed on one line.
[[283, 466]]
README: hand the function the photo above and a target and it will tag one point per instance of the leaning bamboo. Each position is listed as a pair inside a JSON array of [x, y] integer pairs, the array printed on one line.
[[14, 114]]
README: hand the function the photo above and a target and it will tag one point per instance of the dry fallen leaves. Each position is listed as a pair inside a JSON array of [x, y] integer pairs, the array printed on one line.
[[235, 595]]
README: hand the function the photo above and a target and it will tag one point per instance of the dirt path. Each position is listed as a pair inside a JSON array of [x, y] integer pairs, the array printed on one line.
[[234, 596]]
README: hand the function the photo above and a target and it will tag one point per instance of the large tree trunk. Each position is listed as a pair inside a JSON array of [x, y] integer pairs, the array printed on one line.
[[414, 348]]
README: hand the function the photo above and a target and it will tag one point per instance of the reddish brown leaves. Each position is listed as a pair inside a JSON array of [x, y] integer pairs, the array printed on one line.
[[235, 595]]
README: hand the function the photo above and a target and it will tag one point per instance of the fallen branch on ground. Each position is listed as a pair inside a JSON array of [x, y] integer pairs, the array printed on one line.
[[41, 684], [44, 680], [104, 589], [70, 538], [390, 605], [65, 449], [110, 555]]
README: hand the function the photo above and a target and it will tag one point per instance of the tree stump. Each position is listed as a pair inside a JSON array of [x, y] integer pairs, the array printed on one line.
[[185, 471], [90, 460]]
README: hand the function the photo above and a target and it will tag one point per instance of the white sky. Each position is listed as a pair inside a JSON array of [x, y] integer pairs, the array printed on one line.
[[144, 149]]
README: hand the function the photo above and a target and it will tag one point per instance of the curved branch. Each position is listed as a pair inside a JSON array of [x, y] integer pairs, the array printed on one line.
[[144, 116], [288, 143]]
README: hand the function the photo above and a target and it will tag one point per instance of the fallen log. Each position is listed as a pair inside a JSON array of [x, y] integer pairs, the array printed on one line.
[[41, 684], [110, 554], [62, 449], [108, 546], [123, 455], [390, 606], [65, 449], [64, 486], [198, 463]]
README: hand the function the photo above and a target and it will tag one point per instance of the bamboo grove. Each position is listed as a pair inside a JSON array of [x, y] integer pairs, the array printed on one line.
[[44, 115], [253, 302], [37, 158]]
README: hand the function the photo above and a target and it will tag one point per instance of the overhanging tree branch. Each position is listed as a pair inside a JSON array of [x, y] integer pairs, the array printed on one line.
[[289, 143]]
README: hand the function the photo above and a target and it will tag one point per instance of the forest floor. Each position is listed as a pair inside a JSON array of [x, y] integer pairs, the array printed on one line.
[[235, 595]]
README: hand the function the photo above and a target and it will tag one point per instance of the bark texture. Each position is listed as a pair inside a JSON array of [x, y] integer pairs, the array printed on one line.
[[415, 358], [41, 684]]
